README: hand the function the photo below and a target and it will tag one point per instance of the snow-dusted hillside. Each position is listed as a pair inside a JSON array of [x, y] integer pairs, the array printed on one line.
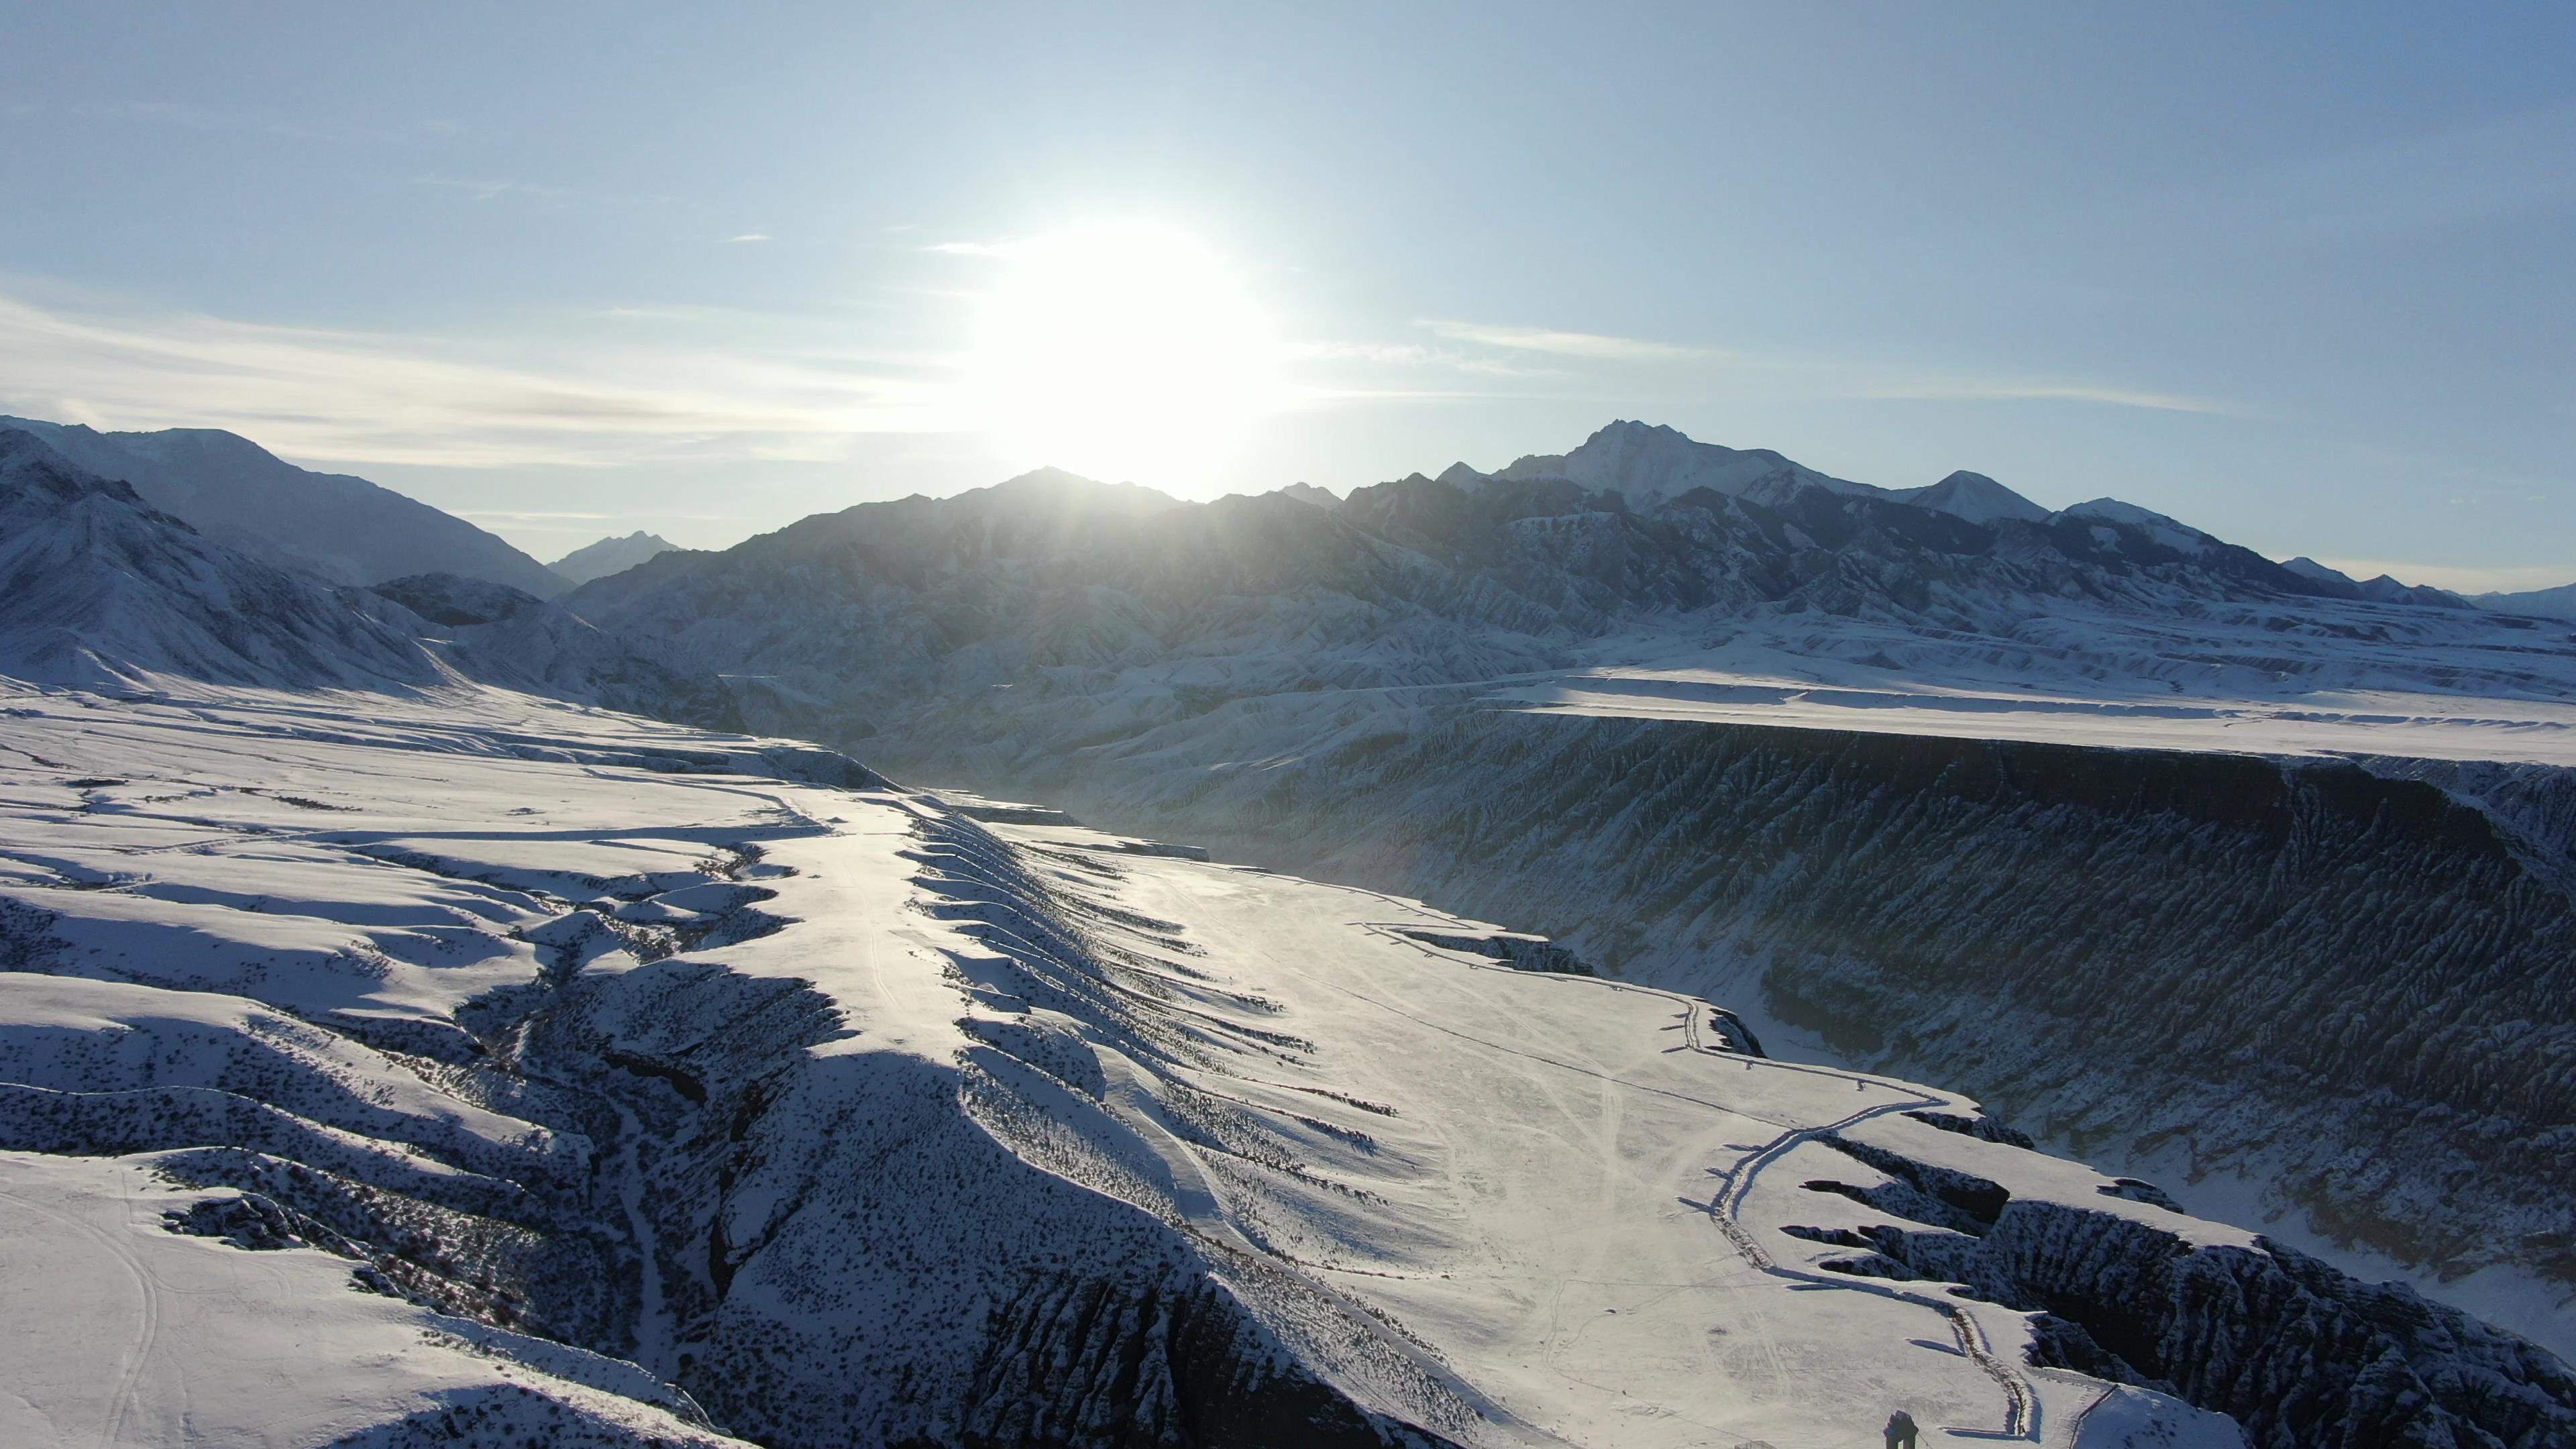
[[97, 588], [488, 1068], [345, 529]]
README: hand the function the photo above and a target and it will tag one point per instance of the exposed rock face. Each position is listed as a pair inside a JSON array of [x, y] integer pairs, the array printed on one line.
[[2299, 1354], [1158, 1364]]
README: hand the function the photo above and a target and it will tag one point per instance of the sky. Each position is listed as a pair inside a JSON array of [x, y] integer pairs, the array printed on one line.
[[2300, 276]]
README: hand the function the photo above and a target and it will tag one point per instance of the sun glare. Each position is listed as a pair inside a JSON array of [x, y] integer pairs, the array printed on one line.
[[1127, 353]]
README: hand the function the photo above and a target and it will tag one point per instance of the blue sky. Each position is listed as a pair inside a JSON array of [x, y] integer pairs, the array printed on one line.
[[2299, 276]]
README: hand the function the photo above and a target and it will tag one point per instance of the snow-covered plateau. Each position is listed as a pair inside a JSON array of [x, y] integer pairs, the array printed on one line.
[[401, 1045]]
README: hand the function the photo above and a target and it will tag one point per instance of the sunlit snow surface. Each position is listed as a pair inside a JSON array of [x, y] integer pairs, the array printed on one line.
[[1511, 1207]]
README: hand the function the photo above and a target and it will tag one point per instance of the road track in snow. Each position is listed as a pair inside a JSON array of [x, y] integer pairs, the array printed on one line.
[[129, 1385], [2021, 1417]]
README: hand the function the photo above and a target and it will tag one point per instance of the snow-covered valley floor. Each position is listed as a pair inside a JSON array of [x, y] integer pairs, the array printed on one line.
[[377, 1068]]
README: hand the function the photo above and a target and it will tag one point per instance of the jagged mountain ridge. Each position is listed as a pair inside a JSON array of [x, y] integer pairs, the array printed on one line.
[[343, 528], [844, 620]]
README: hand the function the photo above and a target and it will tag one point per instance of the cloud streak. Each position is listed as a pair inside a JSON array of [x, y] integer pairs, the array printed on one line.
[[1475, 345], [1946, 387], [1593, 346], [665, 385], [373, 397]]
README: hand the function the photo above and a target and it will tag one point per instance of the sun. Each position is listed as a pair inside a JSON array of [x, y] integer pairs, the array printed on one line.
[[1127, 353]]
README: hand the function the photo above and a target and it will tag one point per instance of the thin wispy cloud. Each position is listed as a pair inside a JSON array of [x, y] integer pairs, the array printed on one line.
[[371, 397], [1488, 349], [1592, 345], [1939, 387], [750, 236], [492, 188]]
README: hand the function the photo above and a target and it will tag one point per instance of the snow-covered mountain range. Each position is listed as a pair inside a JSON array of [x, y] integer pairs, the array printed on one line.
[[399, 1047], [1433, 685], [347, 530], [484, 1070]]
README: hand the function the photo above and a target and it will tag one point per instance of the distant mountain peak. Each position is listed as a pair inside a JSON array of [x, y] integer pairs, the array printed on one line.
[[1074, 492], [1649, 463], [610, 556], [1976, 498], [1310, 493]]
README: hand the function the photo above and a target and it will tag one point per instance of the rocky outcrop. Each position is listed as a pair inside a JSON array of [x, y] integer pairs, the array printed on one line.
[[2301, 1355]]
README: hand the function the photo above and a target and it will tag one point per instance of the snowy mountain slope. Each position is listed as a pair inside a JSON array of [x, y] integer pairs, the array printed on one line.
[[347, 530], [489, 1026], [98, 589], [609, 556], [1976, 498]]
